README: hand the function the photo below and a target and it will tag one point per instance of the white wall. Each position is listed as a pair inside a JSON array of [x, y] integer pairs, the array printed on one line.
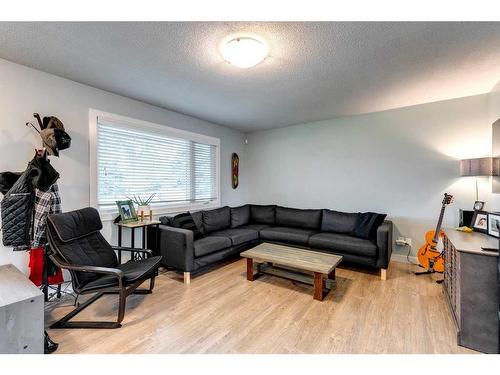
[[24, 91], [398, 162], [494, 102], [494, 107]]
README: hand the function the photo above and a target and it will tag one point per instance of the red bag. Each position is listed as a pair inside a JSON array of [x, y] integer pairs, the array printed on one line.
[[36, 268]]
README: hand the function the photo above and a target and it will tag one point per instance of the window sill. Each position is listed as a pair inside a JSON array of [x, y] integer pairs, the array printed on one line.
[[109, 214]]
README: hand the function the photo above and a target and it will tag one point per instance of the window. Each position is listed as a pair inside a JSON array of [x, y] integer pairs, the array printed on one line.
[[137, 158]]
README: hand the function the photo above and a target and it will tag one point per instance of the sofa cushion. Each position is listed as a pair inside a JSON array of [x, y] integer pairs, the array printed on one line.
[[343, 243], [367, 224], [132, 271], [165, 220], [262, 214], [285, 234], [210, 244], [198, 219], [294, 217], [237, 235], [217, 219], [257, 227], [185, 221], [240, 216], [338, 222]]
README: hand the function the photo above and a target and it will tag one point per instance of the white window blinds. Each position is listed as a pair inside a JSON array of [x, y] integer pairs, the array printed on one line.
[[133, 160]]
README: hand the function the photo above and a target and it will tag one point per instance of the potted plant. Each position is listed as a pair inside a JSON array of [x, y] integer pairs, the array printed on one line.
[[143, 204]]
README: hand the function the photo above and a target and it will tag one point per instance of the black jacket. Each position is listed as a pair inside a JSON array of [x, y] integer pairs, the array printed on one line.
[[18, 203]]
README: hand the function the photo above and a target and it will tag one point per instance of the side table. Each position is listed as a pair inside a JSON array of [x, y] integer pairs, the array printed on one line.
[[133, 226]]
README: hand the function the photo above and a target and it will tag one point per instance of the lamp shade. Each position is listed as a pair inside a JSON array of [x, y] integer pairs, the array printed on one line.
[[480, 167]]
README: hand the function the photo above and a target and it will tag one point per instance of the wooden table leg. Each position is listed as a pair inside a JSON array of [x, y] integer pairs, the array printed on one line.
[[249, 269], [318, 286], [331, 275]]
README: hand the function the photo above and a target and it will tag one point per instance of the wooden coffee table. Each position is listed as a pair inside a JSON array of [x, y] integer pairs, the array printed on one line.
[[293, 263]]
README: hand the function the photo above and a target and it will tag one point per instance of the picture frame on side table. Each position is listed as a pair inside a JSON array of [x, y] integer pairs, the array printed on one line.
[[127, 211], [494, 224], [480, 221]]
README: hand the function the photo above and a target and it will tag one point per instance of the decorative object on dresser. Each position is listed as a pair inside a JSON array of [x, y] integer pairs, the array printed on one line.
[[480, 221], [465, 218], [428, 255], [493, 224], [471, 288], [269, 257], [478, 205]]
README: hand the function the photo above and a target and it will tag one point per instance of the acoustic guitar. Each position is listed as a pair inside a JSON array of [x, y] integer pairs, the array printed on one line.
[[428, 255]]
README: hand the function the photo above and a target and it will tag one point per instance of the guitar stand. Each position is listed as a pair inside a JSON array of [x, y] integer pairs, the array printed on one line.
[[428, 272]]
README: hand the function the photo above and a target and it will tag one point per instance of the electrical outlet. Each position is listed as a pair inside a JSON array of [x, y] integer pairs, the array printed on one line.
[[403, 241], [400, 241]]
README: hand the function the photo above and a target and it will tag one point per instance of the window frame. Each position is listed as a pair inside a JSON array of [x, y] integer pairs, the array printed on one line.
[[108, 213]]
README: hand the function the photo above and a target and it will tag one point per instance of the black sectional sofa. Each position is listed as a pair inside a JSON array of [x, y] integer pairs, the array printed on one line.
[[214, 235]]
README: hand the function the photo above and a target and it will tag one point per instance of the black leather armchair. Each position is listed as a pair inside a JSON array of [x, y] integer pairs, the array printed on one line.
[[77, 245]]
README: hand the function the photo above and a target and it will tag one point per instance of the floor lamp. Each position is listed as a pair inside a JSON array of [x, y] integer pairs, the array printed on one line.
[[479, 167]]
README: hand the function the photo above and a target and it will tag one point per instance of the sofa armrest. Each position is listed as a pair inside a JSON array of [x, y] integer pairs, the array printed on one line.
[[176, 247], [384, 244]]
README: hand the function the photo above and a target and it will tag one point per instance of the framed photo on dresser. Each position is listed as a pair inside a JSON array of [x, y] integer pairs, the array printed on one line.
[[493, 224], [480, 221]]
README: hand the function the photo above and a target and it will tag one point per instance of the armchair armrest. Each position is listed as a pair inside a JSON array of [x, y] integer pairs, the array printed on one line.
[[384, 244], [177, 247], [90, 269]]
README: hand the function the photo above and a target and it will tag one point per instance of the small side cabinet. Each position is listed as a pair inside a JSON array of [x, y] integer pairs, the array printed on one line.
[[471, 289], [21, 313]]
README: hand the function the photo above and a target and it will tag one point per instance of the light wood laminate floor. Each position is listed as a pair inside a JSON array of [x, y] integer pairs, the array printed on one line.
[[222, 312]]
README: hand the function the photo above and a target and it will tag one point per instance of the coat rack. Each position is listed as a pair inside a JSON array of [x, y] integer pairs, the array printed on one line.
[[42, 152], [49, 345]]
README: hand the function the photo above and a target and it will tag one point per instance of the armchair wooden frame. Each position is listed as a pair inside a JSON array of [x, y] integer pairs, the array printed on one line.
[[122, 290]]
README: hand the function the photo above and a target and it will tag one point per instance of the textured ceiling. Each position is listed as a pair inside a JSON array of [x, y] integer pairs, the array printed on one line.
[[315, 71]]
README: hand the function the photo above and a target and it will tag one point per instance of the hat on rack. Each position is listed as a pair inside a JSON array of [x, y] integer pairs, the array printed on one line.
[[54, 136]]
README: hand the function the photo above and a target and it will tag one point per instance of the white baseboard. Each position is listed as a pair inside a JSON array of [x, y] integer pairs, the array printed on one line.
[[401, 258]]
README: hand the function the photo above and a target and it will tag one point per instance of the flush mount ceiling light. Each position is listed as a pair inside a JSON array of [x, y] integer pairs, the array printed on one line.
[[244, 52]]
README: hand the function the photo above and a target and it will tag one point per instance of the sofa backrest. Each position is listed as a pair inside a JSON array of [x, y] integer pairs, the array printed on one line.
[[338, 222], [263, 214], [240, 216], [198, 220], [295, 217], [217, 219]]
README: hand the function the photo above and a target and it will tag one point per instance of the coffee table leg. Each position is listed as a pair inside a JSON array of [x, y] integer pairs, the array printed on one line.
[[249, 269], [331, 275], [318, 286]]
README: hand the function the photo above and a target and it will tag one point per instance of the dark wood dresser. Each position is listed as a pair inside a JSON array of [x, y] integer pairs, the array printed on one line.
[[471, 289]]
